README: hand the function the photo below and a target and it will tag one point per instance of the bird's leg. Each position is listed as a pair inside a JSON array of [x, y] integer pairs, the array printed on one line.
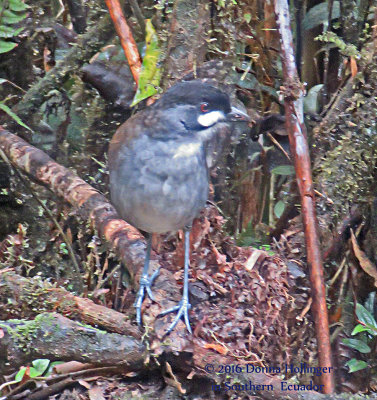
[[183, 306], [145, 281]]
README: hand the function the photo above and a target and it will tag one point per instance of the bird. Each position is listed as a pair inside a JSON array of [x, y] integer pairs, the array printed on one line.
[[159, 170]]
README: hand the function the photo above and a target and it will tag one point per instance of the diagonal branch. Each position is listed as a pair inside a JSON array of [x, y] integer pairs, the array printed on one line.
[[293, 93], [126, 241]]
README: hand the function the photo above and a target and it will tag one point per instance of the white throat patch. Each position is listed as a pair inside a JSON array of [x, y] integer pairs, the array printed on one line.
[[209, 119], [187, 150]]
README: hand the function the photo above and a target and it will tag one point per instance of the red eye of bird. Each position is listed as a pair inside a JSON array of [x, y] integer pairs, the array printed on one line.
[[204, 107]]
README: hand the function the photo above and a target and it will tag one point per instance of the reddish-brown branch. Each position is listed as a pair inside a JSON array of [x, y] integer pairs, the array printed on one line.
[[125, 36], [300, 149], [126, 240]]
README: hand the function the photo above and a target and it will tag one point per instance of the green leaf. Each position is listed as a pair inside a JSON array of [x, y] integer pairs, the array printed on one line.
[[364, 316], [8, 31], [356, 365], [283, 170], [7, 110], [270, 91], [51, 367], [150, 73], [20, 374], [279, 208], [369, 304], [247, 17], [358, 345], [318, 15], [360, 328], [40, 365], [17, 5], [9, 17], [248, 81], [6, 46], [312, 99], [34, 372]]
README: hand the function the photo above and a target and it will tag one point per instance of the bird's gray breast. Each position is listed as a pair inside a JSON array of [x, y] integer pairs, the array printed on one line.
[[160, 185]]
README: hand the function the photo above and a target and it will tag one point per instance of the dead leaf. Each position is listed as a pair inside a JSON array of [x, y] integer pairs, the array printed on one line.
[[173, 382], [70, 366], [96, 393], [84, 383], [353, 66], [364, 261], [252, 260], [217, 347]]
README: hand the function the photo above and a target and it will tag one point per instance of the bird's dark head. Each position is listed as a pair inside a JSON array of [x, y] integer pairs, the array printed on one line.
[[199, 105]]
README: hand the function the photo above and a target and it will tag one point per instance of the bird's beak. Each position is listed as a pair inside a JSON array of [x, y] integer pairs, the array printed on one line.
[[237, 115]]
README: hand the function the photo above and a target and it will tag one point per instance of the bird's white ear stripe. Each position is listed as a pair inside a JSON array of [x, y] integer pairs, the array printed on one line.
[[210, 118]]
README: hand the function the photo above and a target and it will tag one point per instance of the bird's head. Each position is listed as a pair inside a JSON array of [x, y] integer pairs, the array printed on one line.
[[199, 105]]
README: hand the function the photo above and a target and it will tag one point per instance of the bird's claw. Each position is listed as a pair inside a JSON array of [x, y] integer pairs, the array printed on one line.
[[145, 285], [182, 307]]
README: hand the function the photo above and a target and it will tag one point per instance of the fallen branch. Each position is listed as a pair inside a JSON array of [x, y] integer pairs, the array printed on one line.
[[26, 295], [300, 150], [52, 336]]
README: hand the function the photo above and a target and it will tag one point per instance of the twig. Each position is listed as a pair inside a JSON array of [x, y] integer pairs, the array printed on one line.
[[278, 145], [293, 91]]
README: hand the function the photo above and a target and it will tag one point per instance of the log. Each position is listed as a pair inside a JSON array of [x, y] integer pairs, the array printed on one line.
[[52, 336]]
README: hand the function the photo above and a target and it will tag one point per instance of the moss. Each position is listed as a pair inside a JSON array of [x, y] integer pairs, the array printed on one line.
[[23, 333], [347, 171]]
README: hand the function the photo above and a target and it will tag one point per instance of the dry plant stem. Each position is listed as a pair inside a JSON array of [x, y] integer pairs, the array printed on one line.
[[278, 145], [125, 36], [300, 150]]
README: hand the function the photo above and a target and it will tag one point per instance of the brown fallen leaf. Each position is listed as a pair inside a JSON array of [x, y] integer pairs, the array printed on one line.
[[173, 382], [96, 393], [353, 66], [364, 261], [217, 347]]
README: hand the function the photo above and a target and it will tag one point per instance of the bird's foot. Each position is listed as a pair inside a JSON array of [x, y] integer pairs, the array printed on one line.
[[146, 283], [182, 307]]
